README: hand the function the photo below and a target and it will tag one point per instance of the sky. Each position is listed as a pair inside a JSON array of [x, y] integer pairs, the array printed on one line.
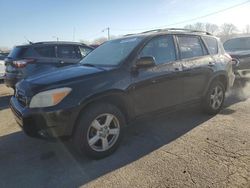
[[46, 20]]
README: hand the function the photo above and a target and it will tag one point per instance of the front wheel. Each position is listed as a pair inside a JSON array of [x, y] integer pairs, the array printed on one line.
[[99, 130], [214, 99]]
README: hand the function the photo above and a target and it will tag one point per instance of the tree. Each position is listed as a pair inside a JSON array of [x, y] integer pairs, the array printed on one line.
[[99, 40], [247, 29], [211, 28], [84, 41], [197, 26], [227, 30]]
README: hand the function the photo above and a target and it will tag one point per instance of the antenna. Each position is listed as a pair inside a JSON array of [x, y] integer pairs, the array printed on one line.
[[28, 40]]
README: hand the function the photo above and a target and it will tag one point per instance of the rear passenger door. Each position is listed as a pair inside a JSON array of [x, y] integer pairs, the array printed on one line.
[[196, 68], [45, 59]]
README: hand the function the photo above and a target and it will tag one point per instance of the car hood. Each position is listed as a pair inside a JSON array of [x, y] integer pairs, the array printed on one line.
[[62, 75], [240, 53]]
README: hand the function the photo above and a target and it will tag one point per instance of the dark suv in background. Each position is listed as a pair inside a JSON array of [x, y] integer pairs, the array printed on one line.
[[34, 58], [239, 49], [121, 80]]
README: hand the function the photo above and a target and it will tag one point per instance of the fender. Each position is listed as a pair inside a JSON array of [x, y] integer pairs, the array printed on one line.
[[215, 76], [117, 97]]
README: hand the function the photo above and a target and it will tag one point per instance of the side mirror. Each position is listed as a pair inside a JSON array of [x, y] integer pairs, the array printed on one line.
[[145, 62]]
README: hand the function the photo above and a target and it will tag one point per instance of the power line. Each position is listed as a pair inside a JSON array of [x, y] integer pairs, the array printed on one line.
[[188, 20]]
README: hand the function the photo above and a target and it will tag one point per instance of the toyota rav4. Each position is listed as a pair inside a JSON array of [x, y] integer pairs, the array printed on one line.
[[121, 80]]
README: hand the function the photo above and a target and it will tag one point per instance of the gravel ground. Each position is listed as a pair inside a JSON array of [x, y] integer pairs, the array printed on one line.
[[179, 149]]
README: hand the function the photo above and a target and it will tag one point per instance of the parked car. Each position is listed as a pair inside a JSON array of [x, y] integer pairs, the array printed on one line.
[[2, 64], [239, 48], [34, 58], [121, 80]]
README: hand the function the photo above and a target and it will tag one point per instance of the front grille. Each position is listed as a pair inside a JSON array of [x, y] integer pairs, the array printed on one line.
[[21, 98]]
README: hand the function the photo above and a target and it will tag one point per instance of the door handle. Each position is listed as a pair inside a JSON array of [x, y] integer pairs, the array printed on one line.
[[211, 64]]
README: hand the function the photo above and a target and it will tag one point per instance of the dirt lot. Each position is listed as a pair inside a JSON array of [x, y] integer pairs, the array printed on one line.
[[184, 149]]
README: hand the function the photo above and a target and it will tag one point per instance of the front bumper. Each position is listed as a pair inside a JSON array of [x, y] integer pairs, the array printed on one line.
[[45, 123]]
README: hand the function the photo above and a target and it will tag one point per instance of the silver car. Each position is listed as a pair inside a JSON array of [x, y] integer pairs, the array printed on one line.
[[2, 64]]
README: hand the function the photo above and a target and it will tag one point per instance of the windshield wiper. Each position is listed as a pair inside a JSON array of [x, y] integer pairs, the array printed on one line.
[[91, 65], [88, 65]]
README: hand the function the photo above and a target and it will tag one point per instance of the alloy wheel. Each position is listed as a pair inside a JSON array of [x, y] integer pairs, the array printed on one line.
[[103, 132]]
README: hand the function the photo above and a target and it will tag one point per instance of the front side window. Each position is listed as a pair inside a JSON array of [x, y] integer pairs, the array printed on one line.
[[212, 45], [67, 52], [190, 46], [161, 48]]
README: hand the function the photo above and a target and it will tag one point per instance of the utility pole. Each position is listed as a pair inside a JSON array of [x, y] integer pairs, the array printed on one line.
[[108, 29], [57, 38], [74, 31]]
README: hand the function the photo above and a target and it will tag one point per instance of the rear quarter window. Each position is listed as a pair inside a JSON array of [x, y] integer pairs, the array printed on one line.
[[212, 45]]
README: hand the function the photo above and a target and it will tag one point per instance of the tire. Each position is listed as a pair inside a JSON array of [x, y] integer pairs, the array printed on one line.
[[94, 136], [210, 106]]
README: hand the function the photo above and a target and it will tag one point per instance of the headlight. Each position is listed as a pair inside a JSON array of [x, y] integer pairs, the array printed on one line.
[[49, 98]]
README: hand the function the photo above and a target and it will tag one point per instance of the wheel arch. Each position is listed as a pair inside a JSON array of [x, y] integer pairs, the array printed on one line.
[[219, 76], [115, 97]]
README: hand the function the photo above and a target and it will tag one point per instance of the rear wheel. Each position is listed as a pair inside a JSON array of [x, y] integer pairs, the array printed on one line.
[[214, 99], [99, 130]]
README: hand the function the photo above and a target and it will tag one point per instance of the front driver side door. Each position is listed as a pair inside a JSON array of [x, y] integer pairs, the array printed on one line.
[[160, 86]]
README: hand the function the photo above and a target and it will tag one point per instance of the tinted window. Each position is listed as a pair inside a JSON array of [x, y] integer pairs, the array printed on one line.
[[67, 51], [84, 50], [46, 51], [111, 53], [211, 44], [237, 44], [161, 48], [19, 52], [190, 46]]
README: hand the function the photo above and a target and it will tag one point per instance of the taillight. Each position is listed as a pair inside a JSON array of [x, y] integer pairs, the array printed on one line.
[[22, 63], [228, 56]]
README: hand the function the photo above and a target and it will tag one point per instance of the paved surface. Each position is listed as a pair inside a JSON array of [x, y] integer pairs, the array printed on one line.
[[184, 149]]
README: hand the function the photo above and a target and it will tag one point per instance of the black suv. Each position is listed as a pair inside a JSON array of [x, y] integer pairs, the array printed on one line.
[[35, 58], [121, 80], [239, 49]]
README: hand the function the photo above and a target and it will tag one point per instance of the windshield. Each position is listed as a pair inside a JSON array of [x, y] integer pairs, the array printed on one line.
[[112, 52], [237, 44]]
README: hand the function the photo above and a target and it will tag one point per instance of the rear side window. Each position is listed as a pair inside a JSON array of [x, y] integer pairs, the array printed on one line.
[[67, 51], [46, 51], [190, 46], [161, 48], [212, 45]]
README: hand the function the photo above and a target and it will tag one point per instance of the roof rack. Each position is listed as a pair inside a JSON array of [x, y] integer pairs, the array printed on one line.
[[172, 29], [189, 30]]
